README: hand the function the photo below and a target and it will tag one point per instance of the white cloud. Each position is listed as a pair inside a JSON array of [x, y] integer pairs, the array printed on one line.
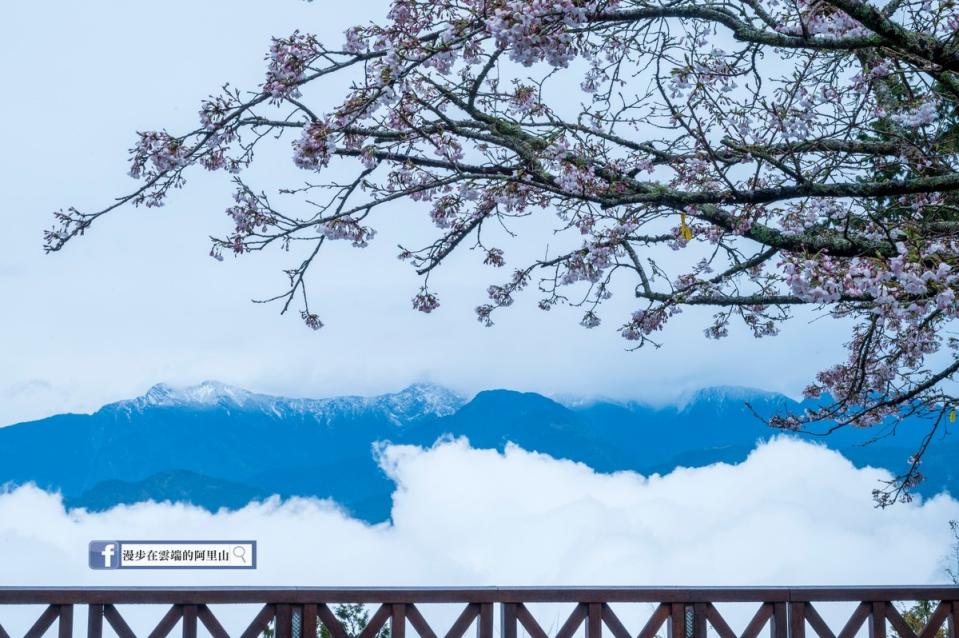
[[792, 513]]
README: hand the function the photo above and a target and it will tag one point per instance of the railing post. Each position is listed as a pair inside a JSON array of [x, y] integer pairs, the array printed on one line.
[[594, 621], [65, 625], [507, 620], [189, 621], [779, 623], [699, 620], [952, 625], [676, 623], [284, 621], [484, 625], [877, 620], [95, 621], [308, 626], [797, 620], [398, 621]]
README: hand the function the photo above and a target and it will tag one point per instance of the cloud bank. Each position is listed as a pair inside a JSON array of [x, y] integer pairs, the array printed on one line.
[[792, 513]]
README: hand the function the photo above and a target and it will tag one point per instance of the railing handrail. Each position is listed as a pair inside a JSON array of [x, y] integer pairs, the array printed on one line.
[[684, 612], [512, 594]]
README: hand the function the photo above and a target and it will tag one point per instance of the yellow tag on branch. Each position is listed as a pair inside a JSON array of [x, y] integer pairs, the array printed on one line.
[[952, 417], [684, 228]]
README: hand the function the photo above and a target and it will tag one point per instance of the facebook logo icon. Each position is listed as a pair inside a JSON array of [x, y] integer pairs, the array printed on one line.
[[104, 555]]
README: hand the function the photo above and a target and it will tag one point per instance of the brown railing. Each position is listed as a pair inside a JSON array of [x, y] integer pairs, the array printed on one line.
[[787, 612]]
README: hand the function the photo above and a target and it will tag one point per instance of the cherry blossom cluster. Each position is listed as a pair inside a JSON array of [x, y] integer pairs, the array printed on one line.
[[644, 323], [525, 100], [539, 30], [157, 152], [819, 18], [502, 296], [251, 214], [315, 147], [921, 115], [289, 58], [350, 229], [425, 301]]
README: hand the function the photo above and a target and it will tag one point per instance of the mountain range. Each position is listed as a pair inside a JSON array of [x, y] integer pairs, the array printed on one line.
[[217, 446]]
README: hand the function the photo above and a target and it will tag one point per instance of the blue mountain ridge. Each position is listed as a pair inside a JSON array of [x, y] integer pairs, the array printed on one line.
[[217, 446]]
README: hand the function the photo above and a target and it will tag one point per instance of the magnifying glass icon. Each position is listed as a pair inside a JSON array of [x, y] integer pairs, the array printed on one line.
[[240, 552]]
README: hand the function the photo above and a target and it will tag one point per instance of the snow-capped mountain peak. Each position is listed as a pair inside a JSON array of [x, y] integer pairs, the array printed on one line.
[[414, 402], [725, 394], [206, 393], [424, 398]]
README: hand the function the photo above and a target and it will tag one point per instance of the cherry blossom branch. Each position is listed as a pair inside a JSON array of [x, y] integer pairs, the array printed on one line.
[[814, 163]]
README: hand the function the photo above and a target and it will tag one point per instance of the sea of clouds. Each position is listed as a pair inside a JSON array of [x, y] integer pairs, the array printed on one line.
[[792, 513]]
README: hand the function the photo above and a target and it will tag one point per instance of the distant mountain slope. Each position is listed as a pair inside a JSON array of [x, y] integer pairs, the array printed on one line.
[[219, 446], [174, 486], [220, 433], [532, 421]]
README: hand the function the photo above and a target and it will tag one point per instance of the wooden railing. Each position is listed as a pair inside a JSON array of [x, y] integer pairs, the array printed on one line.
[[787, 612]]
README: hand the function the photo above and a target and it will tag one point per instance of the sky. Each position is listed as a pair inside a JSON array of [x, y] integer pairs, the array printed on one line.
[[139, 301]]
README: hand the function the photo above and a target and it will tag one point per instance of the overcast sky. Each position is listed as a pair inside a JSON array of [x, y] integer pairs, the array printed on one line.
[[139, 301]]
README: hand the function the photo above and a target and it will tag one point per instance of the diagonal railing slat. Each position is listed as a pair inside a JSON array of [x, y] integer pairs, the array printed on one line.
[[576, 618], [718, 622], [117, 622], [817, 623], [614, 624], [935, 620], [167, 623], [43, 623], [759, 620], [855, 621], [529, 623], [211, 623], [419, 623], [899, 623], [330, 621], [259, 622], [655, 621], [379, 618], [463, 621]]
